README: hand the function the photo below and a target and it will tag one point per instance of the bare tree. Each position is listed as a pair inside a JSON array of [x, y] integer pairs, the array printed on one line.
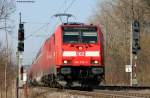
[[7, 7], [115, 18]]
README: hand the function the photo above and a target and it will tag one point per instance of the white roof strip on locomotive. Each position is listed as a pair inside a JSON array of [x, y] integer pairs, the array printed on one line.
[[91, 53], [69, 53]]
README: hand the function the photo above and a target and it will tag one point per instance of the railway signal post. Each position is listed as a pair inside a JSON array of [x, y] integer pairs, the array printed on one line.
[[135, 47], [20, 50]]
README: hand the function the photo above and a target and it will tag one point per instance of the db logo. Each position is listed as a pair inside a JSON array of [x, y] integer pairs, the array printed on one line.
[[80, 53]]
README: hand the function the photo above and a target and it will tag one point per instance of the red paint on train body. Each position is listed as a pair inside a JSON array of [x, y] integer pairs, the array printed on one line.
[[71, 50]]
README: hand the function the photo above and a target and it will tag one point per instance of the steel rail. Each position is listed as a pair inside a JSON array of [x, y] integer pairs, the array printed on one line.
[[95, 94]]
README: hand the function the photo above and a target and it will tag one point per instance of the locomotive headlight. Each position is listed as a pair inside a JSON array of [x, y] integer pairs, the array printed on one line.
[[96, 62], [65, 61], [80, 48]]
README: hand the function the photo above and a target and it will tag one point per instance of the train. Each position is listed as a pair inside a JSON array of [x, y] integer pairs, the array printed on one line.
[[74, 53]]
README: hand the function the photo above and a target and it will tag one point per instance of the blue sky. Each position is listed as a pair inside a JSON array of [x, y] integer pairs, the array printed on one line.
[[39, 22]]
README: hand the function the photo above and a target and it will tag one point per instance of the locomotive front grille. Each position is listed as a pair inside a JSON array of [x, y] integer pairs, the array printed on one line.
[[65, 70], [78, 71]]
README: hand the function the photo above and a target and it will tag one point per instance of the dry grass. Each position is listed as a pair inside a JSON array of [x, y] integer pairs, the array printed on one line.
[[41, 93]]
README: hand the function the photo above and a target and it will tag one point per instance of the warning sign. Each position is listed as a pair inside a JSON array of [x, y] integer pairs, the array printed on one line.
[[128, 68]]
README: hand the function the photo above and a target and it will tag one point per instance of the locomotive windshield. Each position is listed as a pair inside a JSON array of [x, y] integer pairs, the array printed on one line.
[[79, 35], [71, 37]]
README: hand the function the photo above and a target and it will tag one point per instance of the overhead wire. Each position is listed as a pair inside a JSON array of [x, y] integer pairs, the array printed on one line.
[[65, 10], [37, 30], [70, 5], [46, 24], [64, 3]]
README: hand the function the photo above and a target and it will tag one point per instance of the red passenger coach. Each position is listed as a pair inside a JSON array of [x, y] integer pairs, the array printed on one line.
[[73, 53]]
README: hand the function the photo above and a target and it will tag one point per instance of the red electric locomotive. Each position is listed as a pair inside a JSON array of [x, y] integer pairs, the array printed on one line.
[[73, 53]]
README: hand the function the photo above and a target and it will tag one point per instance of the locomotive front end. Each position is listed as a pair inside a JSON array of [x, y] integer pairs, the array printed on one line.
[[82, 54]]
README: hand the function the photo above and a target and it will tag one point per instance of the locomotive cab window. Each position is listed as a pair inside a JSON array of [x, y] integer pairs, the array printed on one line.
[[80, 35], [89, 37], [70, 37]]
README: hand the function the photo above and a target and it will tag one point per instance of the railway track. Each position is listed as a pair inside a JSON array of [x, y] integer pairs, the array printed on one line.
[[135, 94], [103, 94], [122, 87], [93, 94]]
